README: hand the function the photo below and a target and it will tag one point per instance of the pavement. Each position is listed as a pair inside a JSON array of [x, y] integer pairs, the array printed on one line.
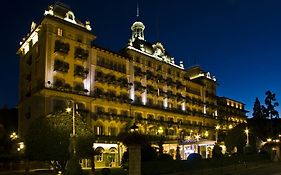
[[268, 168]]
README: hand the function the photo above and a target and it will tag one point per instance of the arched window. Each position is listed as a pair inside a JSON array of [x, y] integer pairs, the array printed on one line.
[[99, 157]]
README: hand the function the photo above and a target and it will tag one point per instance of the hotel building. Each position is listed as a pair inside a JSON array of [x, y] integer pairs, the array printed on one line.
[[141, 84]]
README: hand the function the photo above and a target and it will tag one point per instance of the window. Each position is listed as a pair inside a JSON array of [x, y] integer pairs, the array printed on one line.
[[149, 63], [112, 131], [159, 68], [70, 16], [99, 109], [112, 111], [81, 106], [149, 101], [60, 32], [79, 38], [138, 115], [169, 71], [171, 120], [58, 105], [150, 117], [124, 113], [99, 130], [99, 157], [137, 59], [161, 118]]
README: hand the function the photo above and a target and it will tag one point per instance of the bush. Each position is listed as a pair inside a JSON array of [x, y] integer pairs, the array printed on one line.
[[249, 150], [105, 171], [165, 157], [73, 166], [217, 151]]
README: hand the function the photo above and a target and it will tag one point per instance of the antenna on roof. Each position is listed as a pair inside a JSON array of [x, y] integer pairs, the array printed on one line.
[[138, 10], [157, 29]]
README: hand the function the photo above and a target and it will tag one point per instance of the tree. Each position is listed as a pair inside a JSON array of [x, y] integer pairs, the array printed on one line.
[[270, 111], [217, 151], [236, 137], [48, 139], [270, 102], [257, 110]]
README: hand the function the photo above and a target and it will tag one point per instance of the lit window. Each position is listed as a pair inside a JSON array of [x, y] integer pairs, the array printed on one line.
[[99, 130], [99, 157], [60, 32], [25, 48]]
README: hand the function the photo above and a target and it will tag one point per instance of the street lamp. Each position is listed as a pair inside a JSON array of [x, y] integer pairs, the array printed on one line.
[[73, 135], [247, 134], [206, 134], [13, 136], [217, 129], [197, 137]]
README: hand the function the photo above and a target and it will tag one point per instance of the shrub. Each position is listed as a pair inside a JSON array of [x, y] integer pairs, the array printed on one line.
[[105, 171], [165, 157], [73, 166]]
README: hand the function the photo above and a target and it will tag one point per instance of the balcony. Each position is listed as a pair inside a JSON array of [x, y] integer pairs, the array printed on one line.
[[109, 116], [81, 72], [61, 85], [138, 72], [139, 86], [149, 75], [81, 54], [61, 47], [151, 90], [111, 79], [111, 96], [61, 66], [79, 88]]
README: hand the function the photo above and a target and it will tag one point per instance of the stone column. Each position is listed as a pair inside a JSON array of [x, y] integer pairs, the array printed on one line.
[[134, 159]]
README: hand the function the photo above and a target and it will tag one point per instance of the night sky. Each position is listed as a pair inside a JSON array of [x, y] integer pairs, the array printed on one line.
[[238, 41]]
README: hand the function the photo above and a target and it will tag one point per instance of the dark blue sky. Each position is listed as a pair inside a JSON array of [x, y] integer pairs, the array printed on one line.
[[238, 41]]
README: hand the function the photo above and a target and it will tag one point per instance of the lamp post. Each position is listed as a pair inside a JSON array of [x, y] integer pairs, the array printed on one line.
[[247, 135], [73, 135], [217, 129]]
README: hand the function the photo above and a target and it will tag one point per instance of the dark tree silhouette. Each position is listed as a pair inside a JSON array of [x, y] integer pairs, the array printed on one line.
[[217, 151], [271, 104], [236, 137], [48, 139], [257, 110], [269, 110]]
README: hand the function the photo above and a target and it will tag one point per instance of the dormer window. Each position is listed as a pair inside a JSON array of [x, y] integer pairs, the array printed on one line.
[[158, 49], [69, 16]]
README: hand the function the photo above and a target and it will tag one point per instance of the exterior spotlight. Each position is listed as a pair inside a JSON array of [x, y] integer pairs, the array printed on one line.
[[68, 109], [217, 127], [13, 136], [134, 128], [206, 134], [197, 137], [160, 130]]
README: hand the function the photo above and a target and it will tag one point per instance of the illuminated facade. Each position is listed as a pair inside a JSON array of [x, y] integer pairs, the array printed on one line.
[[140, 84]]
